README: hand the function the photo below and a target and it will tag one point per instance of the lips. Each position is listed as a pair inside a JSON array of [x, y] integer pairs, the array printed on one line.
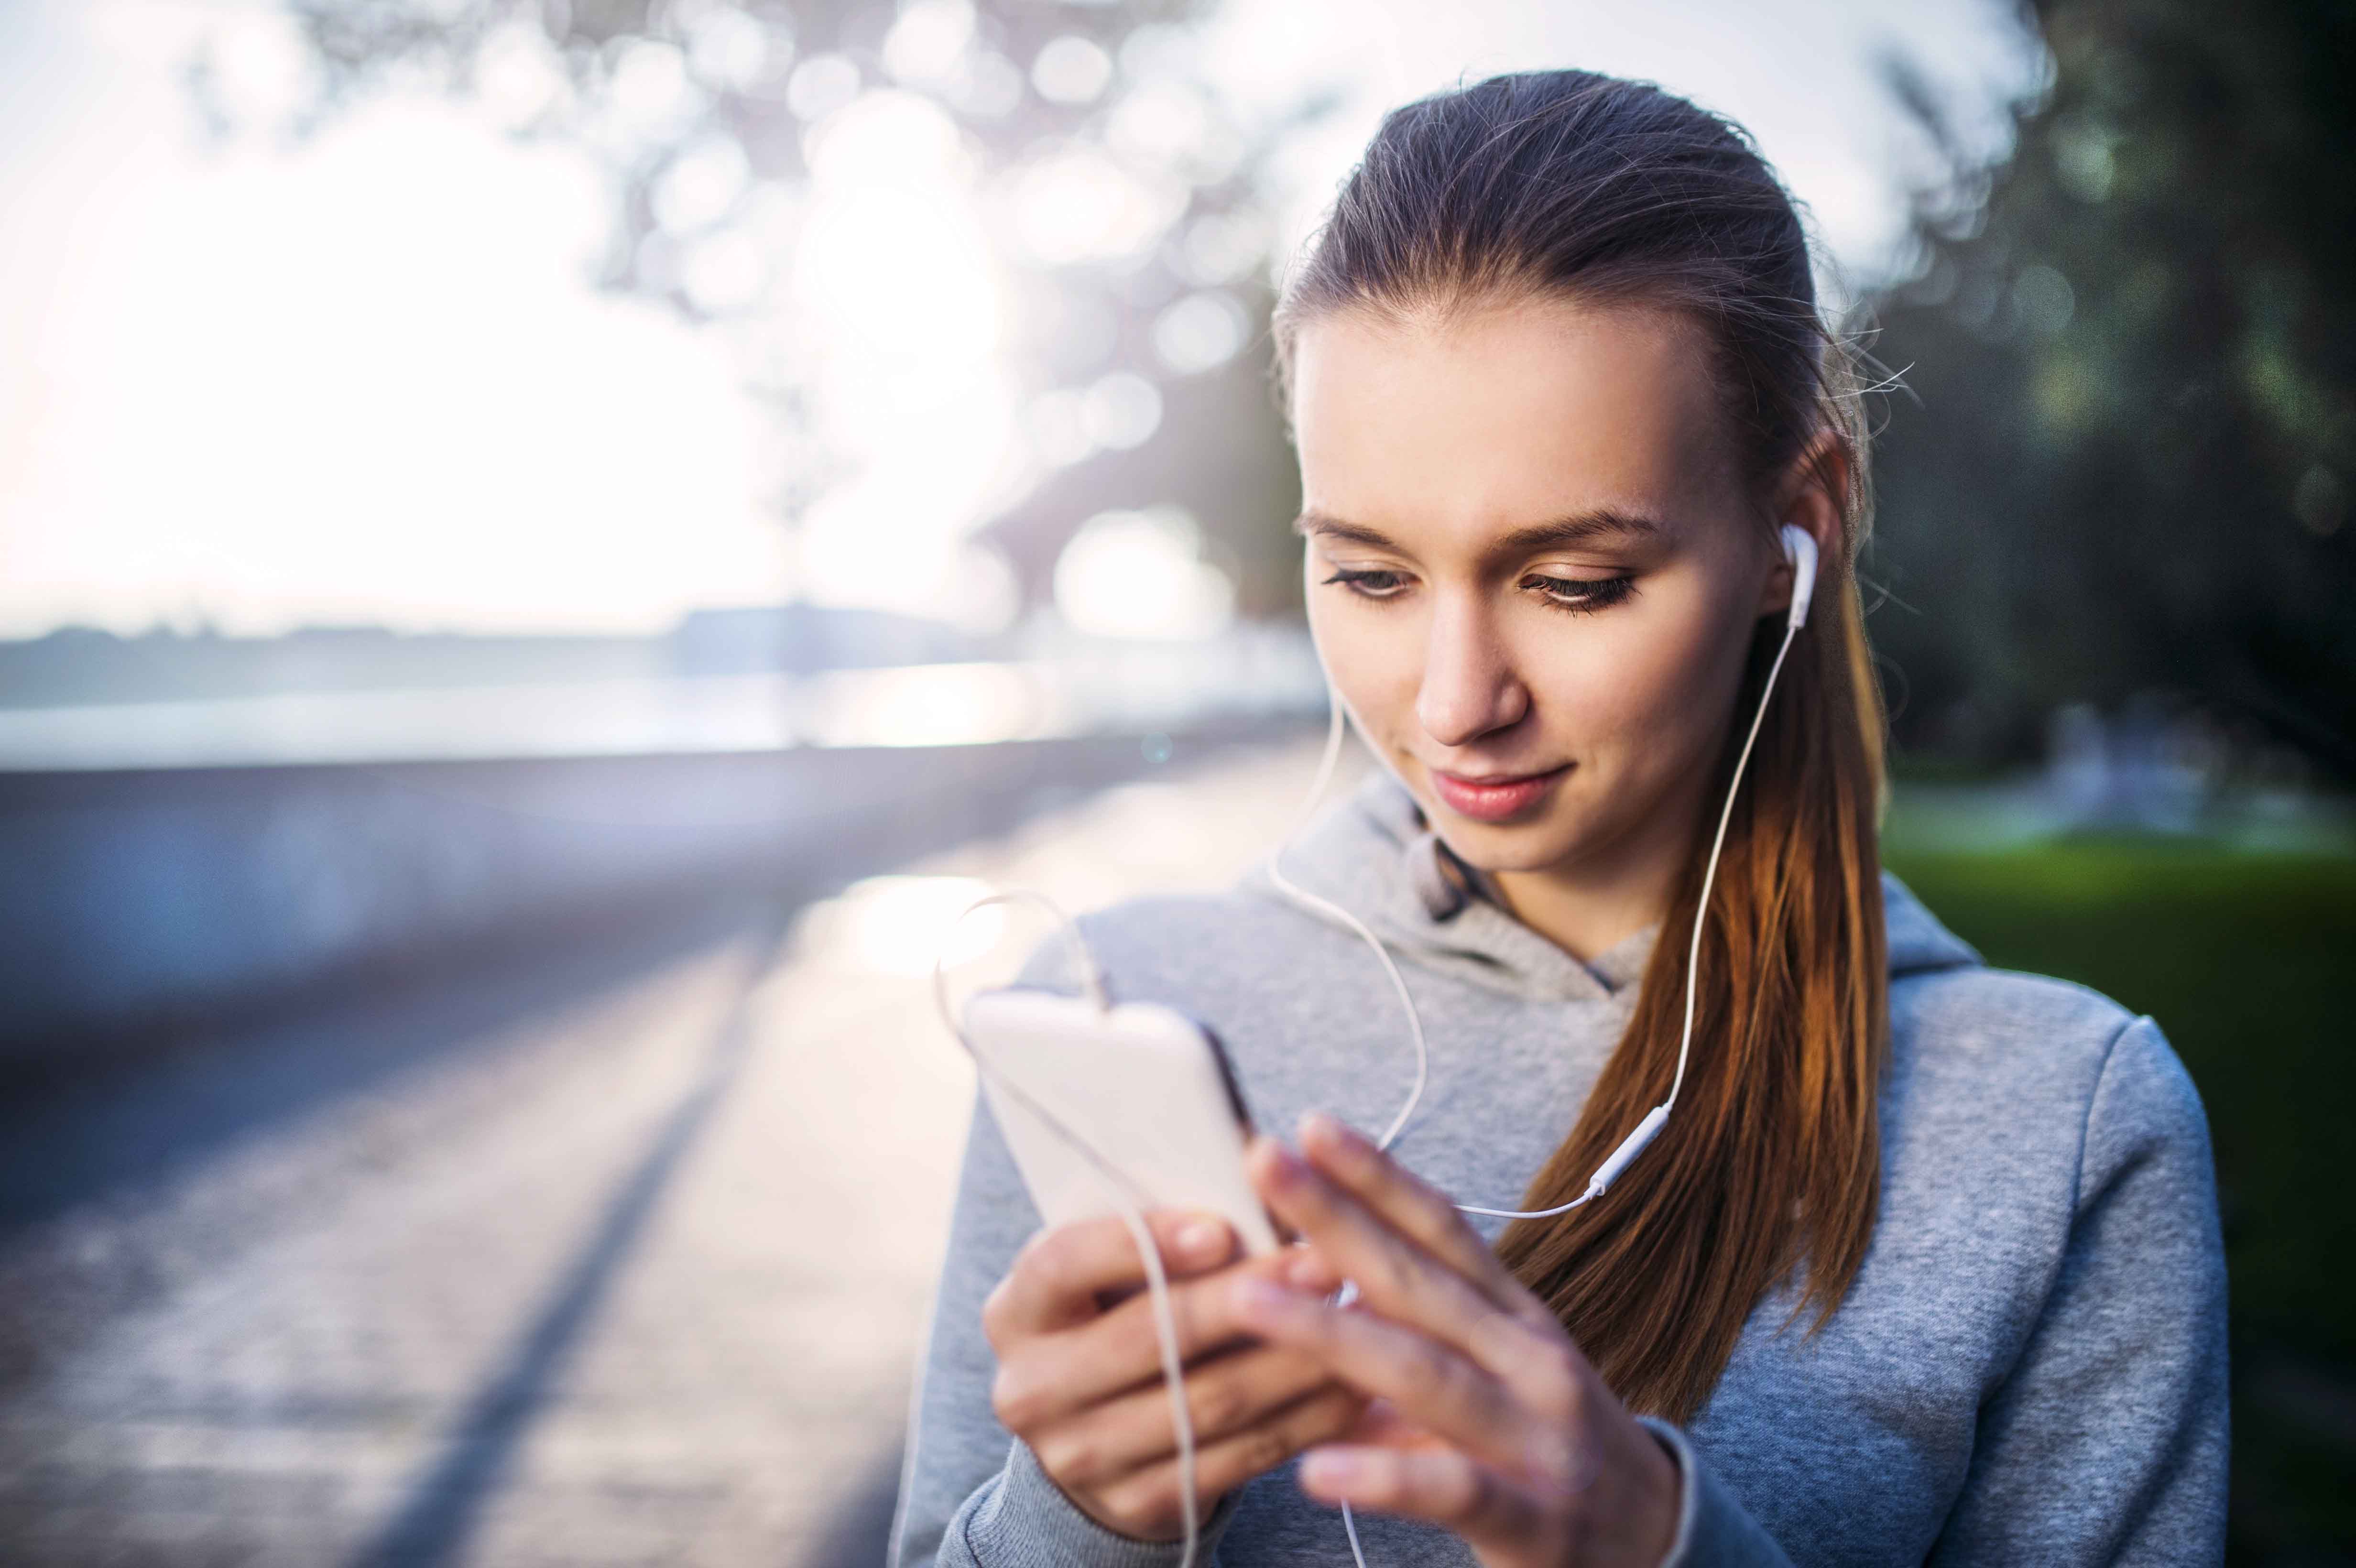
[[1495, 799]]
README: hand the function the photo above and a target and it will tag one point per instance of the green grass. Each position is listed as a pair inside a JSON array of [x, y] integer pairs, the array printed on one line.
[[2244, 959]]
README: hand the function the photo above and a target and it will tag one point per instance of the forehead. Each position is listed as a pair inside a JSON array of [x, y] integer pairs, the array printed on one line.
[[1491, 417]]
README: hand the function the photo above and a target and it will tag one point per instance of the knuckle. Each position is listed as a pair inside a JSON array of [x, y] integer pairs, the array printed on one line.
[[994, 1307], [1331, 1415], [1399, 1268], [1026, 1257], [1528, 1309], [1264, 1450], [1460, 1490], [1137, 1343], [1241, 1457], [1227, 1304], [1566, 1388], [1434, 1212], [1222, 1403], [1549, 1379], [1049, 1258], [1135, 1506], [1071, 1457], [1431, 1372], [1494, 1339], [1016, 1397]]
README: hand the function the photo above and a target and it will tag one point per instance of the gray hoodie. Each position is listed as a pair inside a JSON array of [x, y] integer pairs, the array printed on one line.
[[2030, 1367]]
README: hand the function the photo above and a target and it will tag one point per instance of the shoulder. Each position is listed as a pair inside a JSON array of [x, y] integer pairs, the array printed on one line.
[[2034, 1035], [1952, 1014], [2005, 1020], [2030, 1070], [2044, 1091]]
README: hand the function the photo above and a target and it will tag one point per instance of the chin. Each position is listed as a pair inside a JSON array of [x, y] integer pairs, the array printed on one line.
[[1492, 847], [1528, 854]]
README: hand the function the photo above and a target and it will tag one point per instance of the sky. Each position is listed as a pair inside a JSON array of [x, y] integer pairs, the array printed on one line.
[[364, 379]]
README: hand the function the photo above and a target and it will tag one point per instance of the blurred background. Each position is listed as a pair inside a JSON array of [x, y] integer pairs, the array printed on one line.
[[548, 547]]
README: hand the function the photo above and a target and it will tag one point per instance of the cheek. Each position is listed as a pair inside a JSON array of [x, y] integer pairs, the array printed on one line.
[[1375, 658], [1648, 697]]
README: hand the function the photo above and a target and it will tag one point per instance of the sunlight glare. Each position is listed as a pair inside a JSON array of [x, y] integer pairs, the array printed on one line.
[[519, 75], [1079, 204], [821, 85], [900, 288], [897, 924], [927, 705], [729, 49], [1141, 574], [1200, 332], [1071, 69], [928, 43], [1121, 410]]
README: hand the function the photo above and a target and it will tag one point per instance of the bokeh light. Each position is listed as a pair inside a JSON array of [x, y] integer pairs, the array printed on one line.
[[1141, 574]]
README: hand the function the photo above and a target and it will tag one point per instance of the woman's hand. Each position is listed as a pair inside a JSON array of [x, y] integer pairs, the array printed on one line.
[[1489, 1421], [1079, 1373]]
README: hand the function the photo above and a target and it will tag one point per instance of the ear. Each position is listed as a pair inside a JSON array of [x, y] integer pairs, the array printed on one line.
[[1813, 495]]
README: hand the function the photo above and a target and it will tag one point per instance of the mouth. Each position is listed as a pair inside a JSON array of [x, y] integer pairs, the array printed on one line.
[[1495, 797]]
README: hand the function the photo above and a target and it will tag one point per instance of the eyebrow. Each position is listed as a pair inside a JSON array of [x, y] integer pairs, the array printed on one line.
[[1578, 528]]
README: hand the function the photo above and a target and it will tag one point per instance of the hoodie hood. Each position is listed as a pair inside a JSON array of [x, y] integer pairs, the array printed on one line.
[[1373, 854]]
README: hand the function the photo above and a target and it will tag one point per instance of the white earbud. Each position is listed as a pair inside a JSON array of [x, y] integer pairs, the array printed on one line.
[[1800, 549]]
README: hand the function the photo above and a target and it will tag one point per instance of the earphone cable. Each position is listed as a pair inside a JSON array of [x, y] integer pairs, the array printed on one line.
[[1333, 732]]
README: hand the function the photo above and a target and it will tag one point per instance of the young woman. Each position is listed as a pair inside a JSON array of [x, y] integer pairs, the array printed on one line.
[[1924, 1265]]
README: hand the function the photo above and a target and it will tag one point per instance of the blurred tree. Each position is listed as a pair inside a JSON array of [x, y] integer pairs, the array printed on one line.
[[1122, 193], [2127, 467]]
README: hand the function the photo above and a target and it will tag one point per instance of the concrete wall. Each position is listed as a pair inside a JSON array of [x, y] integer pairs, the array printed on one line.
[[133, 898]]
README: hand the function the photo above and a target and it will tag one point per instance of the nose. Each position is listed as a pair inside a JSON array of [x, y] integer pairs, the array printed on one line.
[[1470, 685]]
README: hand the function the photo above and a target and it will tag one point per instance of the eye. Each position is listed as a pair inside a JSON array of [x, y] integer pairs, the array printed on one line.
[[1583, 595], [1368, 585]]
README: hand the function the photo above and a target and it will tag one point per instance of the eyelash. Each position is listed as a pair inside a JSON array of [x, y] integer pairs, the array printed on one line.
[[1600, 594]]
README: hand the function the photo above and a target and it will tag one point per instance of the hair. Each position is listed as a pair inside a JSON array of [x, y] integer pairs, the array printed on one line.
[[1570, 185]]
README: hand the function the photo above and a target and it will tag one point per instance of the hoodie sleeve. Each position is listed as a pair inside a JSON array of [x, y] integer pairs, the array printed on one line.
[[1713, 1529], [972, 1494], [2106, 1443]]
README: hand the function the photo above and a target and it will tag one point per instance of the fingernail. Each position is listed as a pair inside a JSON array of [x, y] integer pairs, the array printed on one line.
[[1327, 1468], [1332, 1131], [1202, 1238], [1306, 1273], [1286, 1163], [1262, 1298]]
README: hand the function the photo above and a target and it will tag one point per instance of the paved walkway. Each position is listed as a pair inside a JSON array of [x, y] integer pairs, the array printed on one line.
[[619, 1262]]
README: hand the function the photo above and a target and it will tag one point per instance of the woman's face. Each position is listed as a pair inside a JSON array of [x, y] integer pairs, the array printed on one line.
[[1530, 559]]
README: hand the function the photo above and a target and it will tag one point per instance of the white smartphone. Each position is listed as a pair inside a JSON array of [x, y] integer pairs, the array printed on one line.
[[1147, 1087]]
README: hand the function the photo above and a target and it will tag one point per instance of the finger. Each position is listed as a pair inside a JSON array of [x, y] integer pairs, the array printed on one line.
[[1042, 1378], [1225, 1395], [1444, 1485], [1394, 1276], [1382, 1424], [1305, 1268], [1429, 1381], [1150, 1496], [1422, 1212], [1056, 1278]]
